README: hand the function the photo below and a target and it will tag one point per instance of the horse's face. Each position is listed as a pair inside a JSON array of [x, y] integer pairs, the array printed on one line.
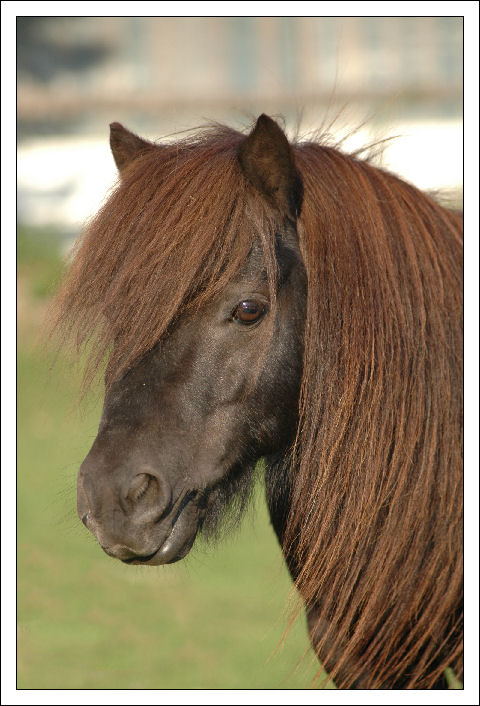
[[184, 425], [194, 415]]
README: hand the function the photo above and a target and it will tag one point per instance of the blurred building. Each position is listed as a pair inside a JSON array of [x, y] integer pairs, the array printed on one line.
[[70, 68], [165, 74]]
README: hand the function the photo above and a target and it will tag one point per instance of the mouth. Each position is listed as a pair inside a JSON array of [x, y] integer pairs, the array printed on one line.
[[181, 537]]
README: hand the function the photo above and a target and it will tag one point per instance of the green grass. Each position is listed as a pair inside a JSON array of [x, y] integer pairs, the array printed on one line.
[[214, 620], [452, 679], [39, 260]]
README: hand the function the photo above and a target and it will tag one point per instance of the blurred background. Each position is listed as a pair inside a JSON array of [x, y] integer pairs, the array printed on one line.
[[401, 75], [215, 620]]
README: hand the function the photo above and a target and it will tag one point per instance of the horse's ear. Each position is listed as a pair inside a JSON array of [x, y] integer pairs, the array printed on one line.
[[126, 146], [268, 163]]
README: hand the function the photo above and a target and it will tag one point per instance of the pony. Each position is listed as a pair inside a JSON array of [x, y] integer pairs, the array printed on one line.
[[249, 298]]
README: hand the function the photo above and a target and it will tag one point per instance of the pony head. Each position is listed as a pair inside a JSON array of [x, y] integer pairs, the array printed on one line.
[[205, 367]]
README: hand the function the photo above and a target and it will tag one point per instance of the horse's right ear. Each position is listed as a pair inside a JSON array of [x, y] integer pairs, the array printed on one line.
[[126, 146], [268, 163]]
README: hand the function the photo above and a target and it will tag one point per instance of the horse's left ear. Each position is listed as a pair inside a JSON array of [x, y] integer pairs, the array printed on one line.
[[268, 163], [126, 146]]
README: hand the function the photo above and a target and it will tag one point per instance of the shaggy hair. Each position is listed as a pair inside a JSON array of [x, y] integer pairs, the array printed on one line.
[[376, 514], [375, 518]]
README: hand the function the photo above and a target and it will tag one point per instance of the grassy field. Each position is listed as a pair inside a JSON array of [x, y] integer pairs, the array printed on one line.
[[214, 620]]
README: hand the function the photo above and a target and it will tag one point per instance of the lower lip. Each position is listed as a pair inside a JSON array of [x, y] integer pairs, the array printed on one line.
[[140, 559], [163, 555]]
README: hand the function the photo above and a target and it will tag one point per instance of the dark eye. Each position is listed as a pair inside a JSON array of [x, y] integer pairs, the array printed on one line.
[[248, 311]]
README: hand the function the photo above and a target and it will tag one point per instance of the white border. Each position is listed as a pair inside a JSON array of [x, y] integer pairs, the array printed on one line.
[[9, 12]]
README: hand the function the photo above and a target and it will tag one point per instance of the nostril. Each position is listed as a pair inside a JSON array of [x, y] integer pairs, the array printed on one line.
[[148, 496], [139, 486], [85, 518]]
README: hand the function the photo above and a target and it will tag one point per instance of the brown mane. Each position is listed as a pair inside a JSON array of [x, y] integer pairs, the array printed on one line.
[[379, 443], [377, 502]]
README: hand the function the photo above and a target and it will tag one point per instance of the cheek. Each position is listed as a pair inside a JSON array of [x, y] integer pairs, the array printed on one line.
[[278, 389], [223, 371], [220, 444], [238, 391], [261, 367]]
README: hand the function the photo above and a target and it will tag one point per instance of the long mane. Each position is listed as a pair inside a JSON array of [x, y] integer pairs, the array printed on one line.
[[376, 511]]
